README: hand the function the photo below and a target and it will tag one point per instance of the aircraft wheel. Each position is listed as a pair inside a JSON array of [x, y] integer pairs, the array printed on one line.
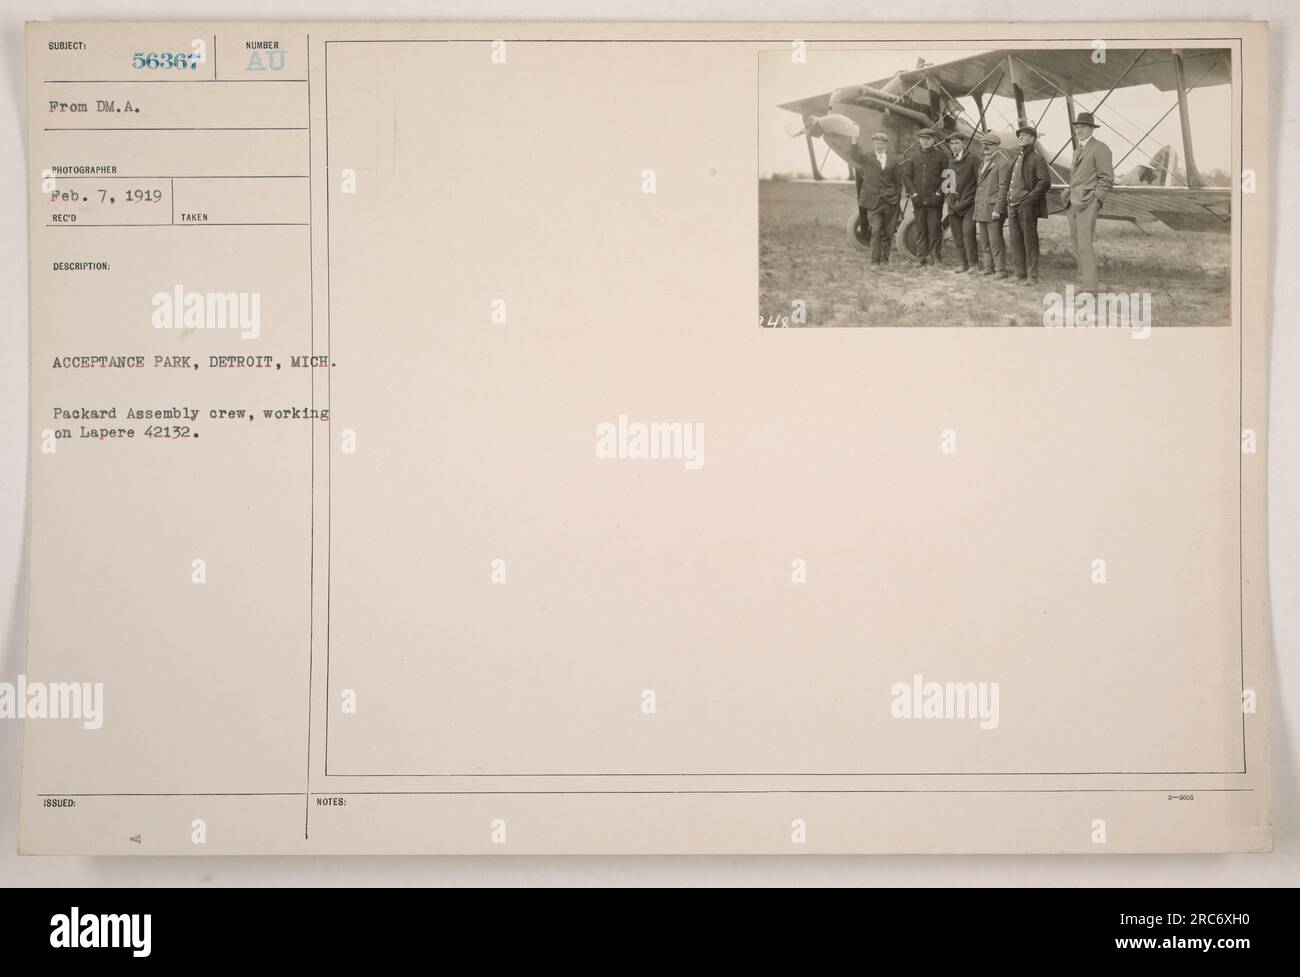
[[906, 241], [859, 236]]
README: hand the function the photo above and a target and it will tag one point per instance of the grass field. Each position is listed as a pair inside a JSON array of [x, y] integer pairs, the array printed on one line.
[[804, 254]]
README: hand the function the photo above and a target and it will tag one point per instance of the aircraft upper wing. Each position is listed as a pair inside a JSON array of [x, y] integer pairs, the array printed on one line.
[[1073, 70], [1040, 73]]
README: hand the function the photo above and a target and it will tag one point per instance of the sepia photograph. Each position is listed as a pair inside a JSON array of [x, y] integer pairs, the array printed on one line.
[[1063, 187]]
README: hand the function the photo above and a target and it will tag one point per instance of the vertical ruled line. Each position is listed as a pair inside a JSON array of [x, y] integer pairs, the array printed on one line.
[[311, 569]]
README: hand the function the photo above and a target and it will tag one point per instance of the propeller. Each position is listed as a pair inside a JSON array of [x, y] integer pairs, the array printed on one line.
[[832, 124]]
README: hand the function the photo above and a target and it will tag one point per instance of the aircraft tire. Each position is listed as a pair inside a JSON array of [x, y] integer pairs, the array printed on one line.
[[860, 238], [906, 239]]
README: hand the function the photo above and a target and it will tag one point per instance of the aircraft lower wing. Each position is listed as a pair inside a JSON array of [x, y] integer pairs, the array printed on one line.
[[1180, 208], [844, 186]]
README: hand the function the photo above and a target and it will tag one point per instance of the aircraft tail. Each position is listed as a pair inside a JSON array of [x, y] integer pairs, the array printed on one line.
[[1163, 169]]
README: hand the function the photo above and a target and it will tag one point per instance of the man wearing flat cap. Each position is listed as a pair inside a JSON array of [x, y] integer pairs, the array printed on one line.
[[1091, 177], [1027, 203], [878, 194], [991, 187], [922, 176], [962, 174]]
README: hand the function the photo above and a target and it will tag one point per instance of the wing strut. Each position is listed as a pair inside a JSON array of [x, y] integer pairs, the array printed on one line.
[[1016, 90], [1194, 178], [981, 125], [1180, 104], [812, 157], [1097, 108]]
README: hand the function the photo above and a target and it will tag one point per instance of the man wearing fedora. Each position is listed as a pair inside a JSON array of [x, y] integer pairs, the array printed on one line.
[[1027, 203], [1091, 177], [922, 176], [991, 186], [878, 194]]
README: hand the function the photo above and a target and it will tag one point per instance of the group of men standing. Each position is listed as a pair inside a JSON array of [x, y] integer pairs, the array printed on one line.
[[983, 192]]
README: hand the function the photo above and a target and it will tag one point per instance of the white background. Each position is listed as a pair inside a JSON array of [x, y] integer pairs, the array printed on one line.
[[1280, 868]]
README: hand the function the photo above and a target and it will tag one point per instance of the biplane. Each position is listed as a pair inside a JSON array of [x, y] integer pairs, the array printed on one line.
[[1163, 188]]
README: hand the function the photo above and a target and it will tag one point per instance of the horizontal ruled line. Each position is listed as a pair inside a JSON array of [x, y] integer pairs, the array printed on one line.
[[198, 224], [809, 790], [178, 176], [759, 790], [247, 793], [175, 128], [170, 81], [904, 773]]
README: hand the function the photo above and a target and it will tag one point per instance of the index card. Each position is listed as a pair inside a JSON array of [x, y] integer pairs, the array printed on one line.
[[647, 438]]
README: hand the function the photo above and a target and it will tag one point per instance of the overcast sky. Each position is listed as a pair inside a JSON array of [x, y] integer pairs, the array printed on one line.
[[1129, 112]]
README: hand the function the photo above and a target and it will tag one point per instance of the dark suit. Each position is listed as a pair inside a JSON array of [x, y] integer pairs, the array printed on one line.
[[961, 208], [922, 177], [1027, 204], [878, 194]]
